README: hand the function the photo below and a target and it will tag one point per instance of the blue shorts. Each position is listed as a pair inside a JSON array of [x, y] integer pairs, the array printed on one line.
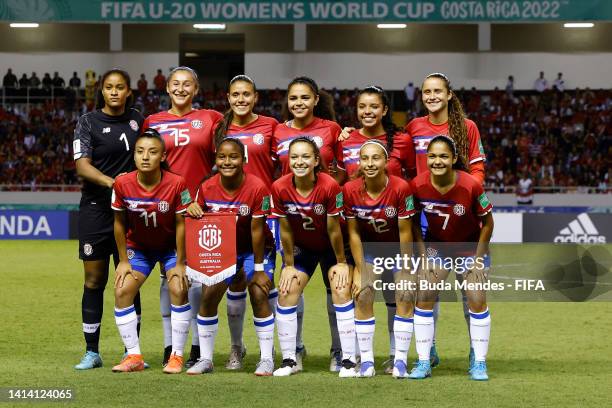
[[246, 261], [306, 261], [274, 226], [145, 261]]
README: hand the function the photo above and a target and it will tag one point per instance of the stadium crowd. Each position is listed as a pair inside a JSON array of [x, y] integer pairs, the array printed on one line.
[[558, 138]]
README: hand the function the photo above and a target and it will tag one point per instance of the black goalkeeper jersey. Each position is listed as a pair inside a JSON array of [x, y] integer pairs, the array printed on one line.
[[109, 142]]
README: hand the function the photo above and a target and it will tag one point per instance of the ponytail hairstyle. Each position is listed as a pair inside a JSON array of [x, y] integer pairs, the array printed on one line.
[[154, 134], [387, 122], [228, 115], [452, 145], [100, 103], [457, 129], [315, 149], [324, 109]]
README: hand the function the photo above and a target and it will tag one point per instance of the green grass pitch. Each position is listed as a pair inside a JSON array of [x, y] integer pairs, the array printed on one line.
[[541, 354]]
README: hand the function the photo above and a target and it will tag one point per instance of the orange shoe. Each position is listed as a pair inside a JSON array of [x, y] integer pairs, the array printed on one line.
[[175, 364], [132, 362]]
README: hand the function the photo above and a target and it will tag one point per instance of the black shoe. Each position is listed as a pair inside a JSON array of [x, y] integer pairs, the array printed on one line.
[[167, 352], [194, 356]]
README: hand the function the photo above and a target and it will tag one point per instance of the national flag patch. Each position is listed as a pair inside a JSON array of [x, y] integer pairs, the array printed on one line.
[[409, 203], [265, 204], [339, 200], [484, 201], [185, 197], [480, 147]]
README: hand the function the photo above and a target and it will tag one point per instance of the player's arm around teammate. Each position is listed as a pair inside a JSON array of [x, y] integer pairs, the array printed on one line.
[[233, 191], [378, 208], [103, 148], [149, 228], [468, 220]]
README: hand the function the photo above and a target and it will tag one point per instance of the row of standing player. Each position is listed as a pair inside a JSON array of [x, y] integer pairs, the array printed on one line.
[[188, 136]]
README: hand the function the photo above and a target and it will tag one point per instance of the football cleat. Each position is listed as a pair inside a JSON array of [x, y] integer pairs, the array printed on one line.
[[167, 353], [132, 362], [421, 371], [264, 368], [472, 359], [367, 369], [348, 370], [387, 365], [175, 364], [335, 363], [479, 371], [399, 369], [300, 353], [287, 368], [194, 356], [201, 366], [434, 359], [90, 360], [234, 360]]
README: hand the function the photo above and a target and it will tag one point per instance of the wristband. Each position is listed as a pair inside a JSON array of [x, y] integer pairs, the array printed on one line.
[[259, 267]]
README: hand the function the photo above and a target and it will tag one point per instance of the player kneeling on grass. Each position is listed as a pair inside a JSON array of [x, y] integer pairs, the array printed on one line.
[[234, 191], [457, 210], [150, 228], [378, 208], [308, 204]]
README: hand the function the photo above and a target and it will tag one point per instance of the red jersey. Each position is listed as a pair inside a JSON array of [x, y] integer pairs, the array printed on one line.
[[323, 132], [257, 139], [308, 215], [252, 200], [347, 153], [420, 132], [454, 216], [151, 222], [378, 217], [189, 142]]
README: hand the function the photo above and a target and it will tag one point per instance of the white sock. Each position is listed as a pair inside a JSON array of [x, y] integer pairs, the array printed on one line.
[[264, 328], [345, 316], [181, 319], [236, 306], [272, 298], [194, 295], [480, 331], [286, 323], [164, 308], [391, 311], [333, 324], [402, 329], [299, 342], [207, 331], [365, 335], [127, 323], [423, 332]]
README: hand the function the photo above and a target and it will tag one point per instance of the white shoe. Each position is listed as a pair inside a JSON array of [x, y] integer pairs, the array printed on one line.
[[300, 353], [265, 368], [200, 367], [348, 370], [288, 367], [335, 363], [367, 369]]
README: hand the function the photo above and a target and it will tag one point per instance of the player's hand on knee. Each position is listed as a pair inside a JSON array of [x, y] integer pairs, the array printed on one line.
[[178, 273], [339, 274], [123, 270], [194, 210], [288, 275], [261, 280]]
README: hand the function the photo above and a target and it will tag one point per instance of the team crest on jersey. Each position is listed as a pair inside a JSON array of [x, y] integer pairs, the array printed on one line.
[[258, 139], [133, 205], [390, 211], [244, 210], [134, 125], [292, 209], [361, 214], [458, 209], [130, 253], [209, 237], [319, 209], [197, 124], [163, 206], [318, 141], [87, 249]]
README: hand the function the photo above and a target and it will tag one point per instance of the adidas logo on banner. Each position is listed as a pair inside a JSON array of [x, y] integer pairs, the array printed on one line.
[[581, 231]]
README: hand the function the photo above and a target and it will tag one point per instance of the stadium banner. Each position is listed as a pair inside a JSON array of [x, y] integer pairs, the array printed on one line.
[[210, 243], [307, 11], [583, 228], [18, 224], [508, 273]]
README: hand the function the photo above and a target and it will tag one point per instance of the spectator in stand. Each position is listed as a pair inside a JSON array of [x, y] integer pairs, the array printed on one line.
[[34, 81], [142, 85], [540, 84], [75, 81], [410, 92], [24, 82], [160, 83], [510, 86], [524, 190], [10, 80], [58, 81], [47, 82], [559, 83]]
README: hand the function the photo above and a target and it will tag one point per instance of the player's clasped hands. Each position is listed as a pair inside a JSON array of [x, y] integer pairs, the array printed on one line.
[[194, 210], [123, 270]]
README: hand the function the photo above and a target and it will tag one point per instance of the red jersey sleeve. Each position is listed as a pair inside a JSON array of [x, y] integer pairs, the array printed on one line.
[[403, 155], [145, 124], [476, 151], [262, 202], [335, 199], [339, 155], [182, 198], [417, 204], [278, 208], [199, 198], [117, 202], [348, 202], [482, 205], [406, 208]]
